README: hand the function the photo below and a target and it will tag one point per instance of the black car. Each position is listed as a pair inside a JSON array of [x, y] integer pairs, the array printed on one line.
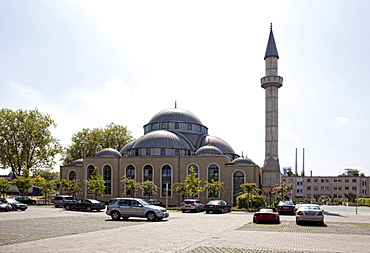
[[24, 200], [15, 205], [219, 206], [286, 207], [85, 204]]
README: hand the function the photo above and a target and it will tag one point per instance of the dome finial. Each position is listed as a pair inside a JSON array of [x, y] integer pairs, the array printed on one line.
[[175, 104], [271, 25], [242, 154], [209, 142]]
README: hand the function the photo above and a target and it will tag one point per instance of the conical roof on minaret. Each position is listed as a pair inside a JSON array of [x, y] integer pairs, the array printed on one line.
[[271, 49]]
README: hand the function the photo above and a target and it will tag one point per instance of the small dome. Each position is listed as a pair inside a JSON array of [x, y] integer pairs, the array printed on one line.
[[209, 151], [161, 139], [108, 152], [78, 163], [219, 143], [175, 115], [127, 147], [241, 161]]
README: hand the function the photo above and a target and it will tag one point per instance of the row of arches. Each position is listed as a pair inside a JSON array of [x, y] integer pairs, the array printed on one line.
[[166, 176]]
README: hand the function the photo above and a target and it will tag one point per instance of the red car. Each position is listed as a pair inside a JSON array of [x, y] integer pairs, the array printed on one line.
[[266, 214]]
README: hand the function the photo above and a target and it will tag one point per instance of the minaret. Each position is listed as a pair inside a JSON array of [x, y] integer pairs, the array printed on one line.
[[271, 83]]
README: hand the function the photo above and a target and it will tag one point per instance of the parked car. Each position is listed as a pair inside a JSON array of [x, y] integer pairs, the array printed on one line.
[[286, 207], [155, 202], [85, 204], [309, 213], [15, 205], [25, 200], [5, 206], [219, 206], [266, 214], [124, 208], [61, 200], [192, 205]]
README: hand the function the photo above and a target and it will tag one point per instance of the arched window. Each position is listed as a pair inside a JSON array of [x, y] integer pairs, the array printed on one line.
[[72, 175], [130, 171], [213, 173], [148, 151], [107, 177], [196, 169], [163, 151], [148, 173], [238, 179], [166, 180], [90, 170]]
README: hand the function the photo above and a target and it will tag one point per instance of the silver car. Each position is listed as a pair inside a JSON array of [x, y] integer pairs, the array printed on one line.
[[309, 213], [192, 205], [124, 208]]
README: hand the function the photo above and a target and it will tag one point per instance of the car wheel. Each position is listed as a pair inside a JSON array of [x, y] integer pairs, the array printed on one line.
[[88, 208], [33, 203], [254, 220], [151, 216], [183, 211], [207, 211], [115, 215], [198, 210], [222, 210], [23, 209], [67, 207], [278, 221]]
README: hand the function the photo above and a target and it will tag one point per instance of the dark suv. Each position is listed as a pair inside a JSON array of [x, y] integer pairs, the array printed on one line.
[[133, 207]]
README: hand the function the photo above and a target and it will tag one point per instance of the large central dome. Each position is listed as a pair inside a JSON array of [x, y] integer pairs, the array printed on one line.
[[175, 115]]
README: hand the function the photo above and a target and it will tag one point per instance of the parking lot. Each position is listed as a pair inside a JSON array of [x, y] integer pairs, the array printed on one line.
[[50, 229]]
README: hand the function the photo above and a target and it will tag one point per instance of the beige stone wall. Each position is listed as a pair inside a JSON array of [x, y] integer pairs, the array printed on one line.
[[179, 165]]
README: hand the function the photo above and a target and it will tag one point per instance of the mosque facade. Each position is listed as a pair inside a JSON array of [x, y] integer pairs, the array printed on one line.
[[174, 141]]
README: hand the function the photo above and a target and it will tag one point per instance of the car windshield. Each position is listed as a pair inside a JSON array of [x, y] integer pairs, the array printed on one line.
[[266, 210], [93, 201], [11, 200], [310, 207], [213, 203]]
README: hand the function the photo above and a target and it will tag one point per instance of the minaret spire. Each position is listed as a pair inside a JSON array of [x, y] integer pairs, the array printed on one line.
[[271, 83]]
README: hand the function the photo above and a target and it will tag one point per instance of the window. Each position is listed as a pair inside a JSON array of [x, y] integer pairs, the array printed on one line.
[[324, 180], [364, 192], [90, 171], [299, 190], [364, 183], [166, 180], [337, 188], [354, 188], [148, 151], [354, 180], [200, 128], [176, 125], [337, 180], [308, 188], [163, 152], [346, 180], [130, 171], [148, 173], [196, 170], [309, 180], [316, 180], [346, 188], [212, 173], [299, 183], [107, 177], [163, 126], [72, 175], [190, 127], [290, 180], [324, 188], [284, 180], [238, 179], [315, 188], [177, 152], [152, 127]]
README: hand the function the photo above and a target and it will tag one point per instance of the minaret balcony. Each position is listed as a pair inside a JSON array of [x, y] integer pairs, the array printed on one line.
[[274, 81]]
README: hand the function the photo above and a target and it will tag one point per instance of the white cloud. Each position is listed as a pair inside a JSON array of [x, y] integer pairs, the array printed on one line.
[[342, 120]]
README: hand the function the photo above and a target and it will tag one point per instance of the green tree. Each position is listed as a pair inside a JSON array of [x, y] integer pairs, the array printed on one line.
[[45, 173], [192, 184], [70, 186], [26, 141], [130, 185], [90, 141], [249, 188], [46, 185], [96, 184], [179, 187], [23, 182], [4, 185], [214, 188], [149, 188], [283, 189]]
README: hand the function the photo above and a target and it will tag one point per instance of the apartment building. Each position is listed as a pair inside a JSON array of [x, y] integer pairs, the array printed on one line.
[[327, 187]]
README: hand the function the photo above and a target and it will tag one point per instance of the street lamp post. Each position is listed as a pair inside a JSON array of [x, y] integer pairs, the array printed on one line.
[[83, 166]]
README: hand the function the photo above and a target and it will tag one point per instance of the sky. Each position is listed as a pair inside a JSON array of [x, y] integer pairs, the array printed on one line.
[[90, 63]]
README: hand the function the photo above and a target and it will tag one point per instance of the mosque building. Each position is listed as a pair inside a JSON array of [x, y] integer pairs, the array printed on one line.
[[175, 140]]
